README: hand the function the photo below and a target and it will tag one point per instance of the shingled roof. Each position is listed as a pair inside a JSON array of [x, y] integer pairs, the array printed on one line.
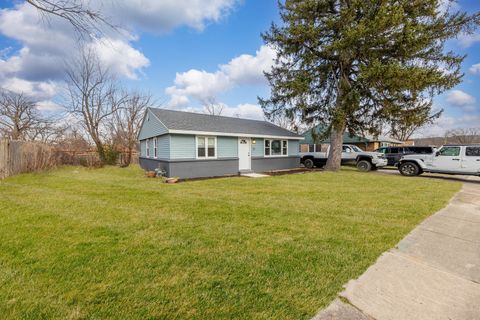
[[190, 121]]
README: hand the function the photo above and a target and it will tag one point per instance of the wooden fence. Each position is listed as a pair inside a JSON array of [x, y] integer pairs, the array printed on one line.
[[20, 156], [89, 158]]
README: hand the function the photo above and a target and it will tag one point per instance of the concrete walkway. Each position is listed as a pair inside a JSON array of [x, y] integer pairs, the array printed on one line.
[[254, 175], [433, 273]]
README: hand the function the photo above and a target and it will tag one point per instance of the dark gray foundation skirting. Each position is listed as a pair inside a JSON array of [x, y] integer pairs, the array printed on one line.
[[269, 164], [152, 164], [185, 169], [193, 168]]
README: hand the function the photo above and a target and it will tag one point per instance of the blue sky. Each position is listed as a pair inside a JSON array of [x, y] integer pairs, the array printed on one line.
[[185, 48], [187, 52]]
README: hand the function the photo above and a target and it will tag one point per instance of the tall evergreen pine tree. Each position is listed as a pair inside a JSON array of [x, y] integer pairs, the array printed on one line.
[[356, 65]]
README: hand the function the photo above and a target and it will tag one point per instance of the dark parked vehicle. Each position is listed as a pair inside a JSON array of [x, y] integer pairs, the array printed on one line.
[[394, 154]]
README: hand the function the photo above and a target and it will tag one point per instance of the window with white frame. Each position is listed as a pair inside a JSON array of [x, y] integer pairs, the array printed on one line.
[[147, 148], [155, 147], [206, 147], [276, 148]]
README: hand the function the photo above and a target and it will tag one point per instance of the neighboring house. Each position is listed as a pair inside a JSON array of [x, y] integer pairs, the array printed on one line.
[[193, 145], [366, 143]]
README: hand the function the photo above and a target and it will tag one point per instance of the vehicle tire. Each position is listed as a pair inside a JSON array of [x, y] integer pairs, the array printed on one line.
[[364, 165], [308, 163], [409, 169]]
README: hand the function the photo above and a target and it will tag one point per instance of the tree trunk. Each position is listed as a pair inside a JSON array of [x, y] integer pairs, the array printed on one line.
[[128, 161], [101, 153], [15, 135], [334, 159]]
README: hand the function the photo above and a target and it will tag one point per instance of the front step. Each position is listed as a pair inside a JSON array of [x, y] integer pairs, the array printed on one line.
[[253, 175], [242, 172]]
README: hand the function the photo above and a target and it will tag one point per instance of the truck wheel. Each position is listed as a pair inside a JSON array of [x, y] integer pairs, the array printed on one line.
[[308, 163], [364, 165], [409, 169]]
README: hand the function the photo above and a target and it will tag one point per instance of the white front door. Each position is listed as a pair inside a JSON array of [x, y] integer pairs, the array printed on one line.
[[244, 157]]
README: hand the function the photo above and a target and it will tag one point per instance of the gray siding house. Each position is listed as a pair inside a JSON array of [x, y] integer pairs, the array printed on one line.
[[194, 145]]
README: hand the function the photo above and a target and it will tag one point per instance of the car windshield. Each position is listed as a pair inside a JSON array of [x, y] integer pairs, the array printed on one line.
[[356, 149]]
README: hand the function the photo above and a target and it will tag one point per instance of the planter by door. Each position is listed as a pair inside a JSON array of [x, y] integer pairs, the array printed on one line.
[[244, 154]]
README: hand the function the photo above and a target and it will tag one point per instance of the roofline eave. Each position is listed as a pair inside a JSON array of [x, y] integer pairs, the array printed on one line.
[[231, 134]]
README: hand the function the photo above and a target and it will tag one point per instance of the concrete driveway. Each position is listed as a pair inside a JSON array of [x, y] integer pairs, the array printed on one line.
[[433, 273], [468, 179]]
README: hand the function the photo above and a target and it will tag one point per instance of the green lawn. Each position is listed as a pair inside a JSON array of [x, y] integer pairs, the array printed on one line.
[[81, 243]]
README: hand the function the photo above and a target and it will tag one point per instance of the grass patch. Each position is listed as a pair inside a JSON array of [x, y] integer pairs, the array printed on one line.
[[108, 243]]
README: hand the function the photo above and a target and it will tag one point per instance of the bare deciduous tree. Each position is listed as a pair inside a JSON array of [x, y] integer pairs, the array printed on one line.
[[84, 19], [93, 96], [73, 140], [212, 106], [47, 132], [290, 123], [19, 116], [463, 136], [127, 121], [288, 119]]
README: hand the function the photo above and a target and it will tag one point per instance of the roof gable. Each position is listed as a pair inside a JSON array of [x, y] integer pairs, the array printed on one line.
[[151, 126]]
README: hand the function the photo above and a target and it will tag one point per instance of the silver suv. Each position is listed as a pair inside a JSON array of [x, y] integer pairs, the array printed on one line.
[[450, 159]]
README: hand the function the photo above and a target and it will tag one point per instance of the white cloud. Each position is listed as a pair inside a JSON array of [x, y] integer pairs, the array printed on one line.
[[47, 45], [202, 85], [40, 63], [248, 69], [162, 16], [461, 99], [34, 89], [120, 57], [467, 40], [475, 69], [248, 111], [48, 105], [448, 122], [447, 5], [198, 84]]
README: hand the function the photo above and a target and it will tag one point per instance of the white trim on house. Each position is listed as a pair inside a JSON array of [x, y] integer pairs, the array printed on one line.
[[281, 149], [205, 137], [155, 148], [230, 134], [147, 148]]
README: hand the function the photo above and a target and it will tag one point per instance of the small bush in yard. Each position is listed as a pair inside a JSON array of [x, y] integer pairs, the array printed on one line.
[[111, 155]]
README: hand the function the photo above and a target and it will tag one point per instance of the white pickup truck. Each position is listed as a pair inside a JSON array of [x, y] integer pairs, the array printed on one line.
[[450, 159], [365, 161]]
